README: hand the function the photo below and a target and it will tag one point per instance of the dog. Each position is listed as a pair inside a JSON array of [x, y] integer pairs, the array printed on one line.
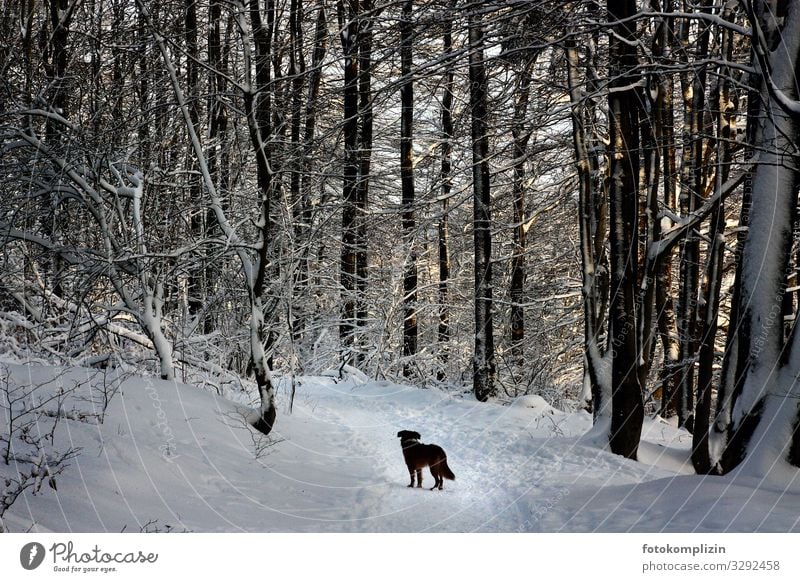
[[418, 456]]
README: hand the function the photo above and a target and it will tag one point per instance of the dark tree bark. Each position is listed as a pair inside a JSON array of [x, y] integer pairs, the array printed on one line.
[[733, 367], [143, 88], [348, 278], [590, 229], [627, 405], [364, 161], [665, 43], [195, 285], [258, 108], [61, 12], [484, 366], [692, 188], [57, 49], [298, 166], [650, 232], [304, 218], [407, 182], [217, 150], [443, 332], [727, 104], [518, 272], [297, 71]]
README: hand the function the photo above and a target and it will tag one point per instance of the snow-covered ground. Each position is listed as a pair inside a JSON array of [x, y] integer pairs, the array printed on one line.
[[170, 457]]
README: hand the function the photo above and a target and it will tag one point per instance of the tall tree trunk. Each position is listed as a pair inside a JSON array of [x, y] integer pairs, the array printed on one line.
[[61, 12], [258, 108], [309, 131], [443, 332], [764, 419], [349, 39], [364, 163], [733, 367], [589, 230], [627, 413], [484, 367], [650, 224], [407, 183], [727, 104], [297, 71], [518, 272], [195, 291], [665, 44], [217, 151], [692, 187]]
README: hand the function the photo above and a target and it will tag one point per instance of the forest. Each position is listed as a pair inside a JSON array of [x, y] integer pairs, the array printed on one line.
[[593, 202]]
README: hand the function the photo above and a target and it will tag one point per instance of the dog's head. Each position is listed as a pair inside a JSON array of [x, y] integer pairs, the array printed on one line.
[[408, 435]]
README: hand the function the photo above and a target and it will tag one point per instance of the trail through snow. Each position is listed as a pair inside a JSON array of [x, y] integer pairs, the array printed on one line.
[[175, 458]]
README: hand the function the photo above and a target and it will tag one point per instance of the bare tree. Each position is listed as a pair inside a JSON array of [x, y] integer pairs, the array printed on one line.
[[350, 28], [407, 182], [627, 407], [764, 416], [443, 228], [484, 367], [254, 268]]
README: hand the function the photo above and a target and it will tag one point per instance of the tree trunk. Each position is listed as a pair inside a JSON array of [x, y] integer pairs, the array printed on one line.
[[61, 12], [518, 272], [309, 130], [484, 367], [258, 108], [297, 71], [665, 305], [692, 188], [365, 164], [407, 183], [217, 151], [726, 134], [733, 371], [764, 420], [626, 400], [647, 280], [348, 278], [589, 229], [195, 299], [443, 332]]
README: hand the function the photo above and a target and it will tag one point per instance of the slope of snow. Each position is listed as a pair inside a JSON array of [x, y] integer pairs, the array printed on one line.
[[171, 457]]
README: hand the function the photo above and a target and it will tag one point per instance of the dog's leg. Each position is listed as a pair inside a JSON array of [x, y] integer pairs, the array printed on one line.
[[411, 472], [419, 477], [438, 472]]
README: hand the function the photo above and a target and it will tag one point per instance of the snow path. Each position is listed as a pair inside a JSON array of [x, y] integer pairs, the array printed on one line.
[[471, 503], [172, 457]]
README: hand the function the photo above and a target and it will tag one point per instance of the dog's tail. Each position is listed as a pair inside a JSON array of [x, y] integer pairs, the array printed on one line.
[[446, 472]]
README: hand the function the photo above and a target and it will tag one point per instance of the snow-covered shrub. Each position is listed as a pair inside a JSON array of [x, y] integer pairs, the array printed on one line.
[[29, 455]]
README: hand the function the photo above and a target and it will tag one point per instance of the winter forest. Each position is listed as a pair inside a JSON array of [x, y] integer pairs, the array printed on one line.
[[586, 207]]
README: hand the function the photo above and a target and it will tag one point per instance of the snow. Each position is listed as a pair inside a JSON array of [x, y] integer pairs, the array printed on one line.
[[172, 457]]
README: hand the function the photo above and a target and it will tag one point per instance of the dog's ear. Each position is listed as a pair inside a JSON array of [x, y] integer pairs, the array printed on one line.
[[400, 434], [414, 435]]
